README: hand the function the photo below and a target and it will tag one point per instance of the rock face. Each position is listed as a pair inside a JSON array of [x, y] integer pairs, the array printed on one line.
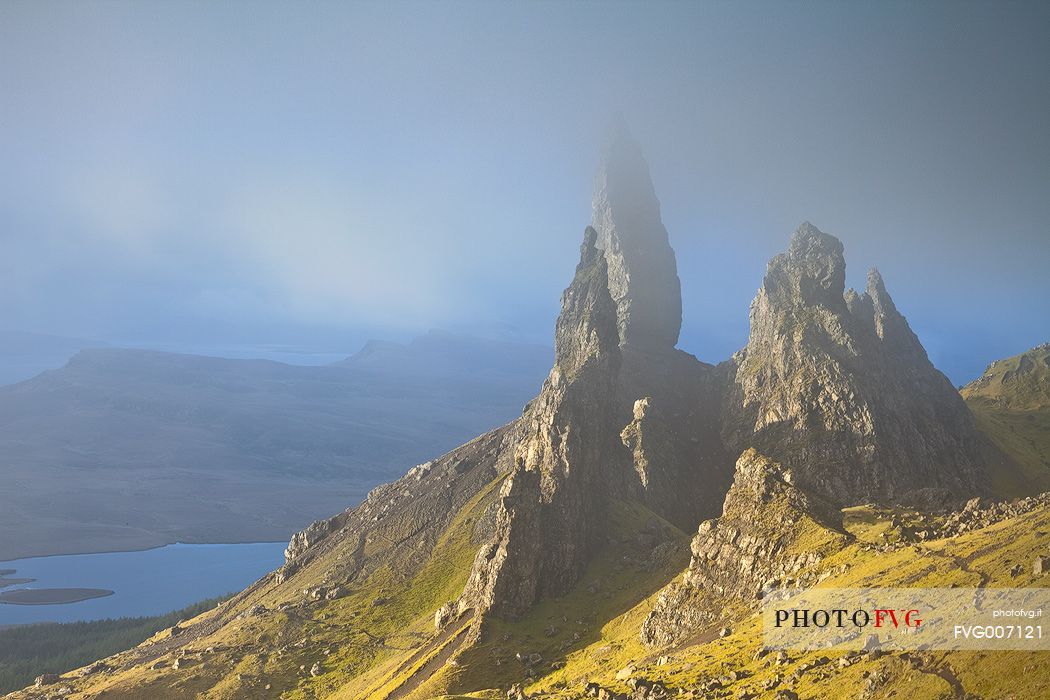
[[681, 468], [837, 387], [753, 545], [643, 274], [750, 546], [304, 539]]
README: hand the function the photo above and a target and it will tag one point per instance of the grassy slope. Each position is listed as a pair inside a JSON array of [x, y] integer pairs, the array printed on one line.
[[260, 656], [1011, 402], [615, 582], [990, 552], [1025, 437]]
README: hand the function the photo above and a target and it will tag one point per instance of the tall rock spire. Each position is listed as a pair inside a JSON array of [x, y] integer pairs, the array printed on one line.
[[643, 274], [618, 416]]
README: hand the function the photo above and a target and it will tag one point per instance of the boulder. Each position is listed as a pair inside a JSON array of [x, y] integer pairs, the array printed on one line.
[[444, 615]]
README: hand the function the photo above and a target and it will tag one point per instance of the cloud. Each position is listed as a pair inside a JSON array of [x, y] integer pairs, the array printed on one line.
[[327, 254], [120, 202]]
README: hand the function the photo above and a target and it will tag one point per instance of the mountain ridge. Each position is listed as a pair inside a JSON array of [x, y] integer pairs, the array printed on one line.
[[202, 449]]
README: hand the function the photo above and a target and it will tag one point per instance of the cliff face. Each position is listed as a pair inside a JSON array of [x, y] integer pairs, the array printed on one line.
[[837, 387]]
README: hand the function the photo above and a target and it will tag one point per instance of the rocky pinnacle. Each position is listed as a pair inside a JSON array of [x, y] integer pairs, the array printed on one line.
[[550, 507], [836, 385], [643, 274]]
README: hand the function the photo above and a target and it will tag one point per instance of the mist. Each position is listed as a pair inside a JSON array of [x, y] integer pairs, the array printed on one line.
[[205, 175]]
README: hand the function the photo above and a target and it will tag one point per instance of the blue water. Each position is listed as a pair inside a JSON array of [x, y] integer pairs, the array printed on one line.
[[150, 582]]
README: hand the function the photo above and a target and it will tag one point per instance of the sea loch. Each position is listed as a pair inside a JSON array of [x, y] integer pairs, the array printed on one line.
[[148, 582]]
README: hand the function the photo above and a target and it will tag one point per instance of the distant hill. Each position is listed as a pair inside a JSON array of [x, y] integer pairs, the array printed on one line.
[[1018, 383], [449, 354], [132, 448], [24, 354], [1011, 402]]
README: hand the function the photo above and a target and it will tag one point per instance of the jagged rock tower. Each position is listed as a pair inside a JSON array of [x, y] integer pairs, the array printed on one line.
[[833, 402], [612, 419], [837, 387]]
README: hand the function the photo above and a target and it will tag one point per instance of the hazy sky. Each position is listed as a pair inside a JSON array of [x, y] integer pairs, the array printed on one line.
[[311, 173]]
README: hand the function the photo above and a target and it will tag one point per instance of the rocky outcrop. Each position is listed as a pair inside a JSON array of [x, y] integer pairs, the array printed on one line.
[[304, 539], [833, 387], [551, 504], [643, 274], [837, 387], [650, 455], [753, 545]]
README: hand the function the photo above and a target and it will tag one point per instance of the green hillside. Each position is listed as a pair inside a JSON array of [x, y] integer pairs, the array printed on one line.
[[1011, 403]]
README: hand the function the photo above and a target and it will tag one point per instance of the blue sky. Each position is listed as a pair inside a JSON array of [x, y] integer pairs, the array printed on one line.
[[315, 174]]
